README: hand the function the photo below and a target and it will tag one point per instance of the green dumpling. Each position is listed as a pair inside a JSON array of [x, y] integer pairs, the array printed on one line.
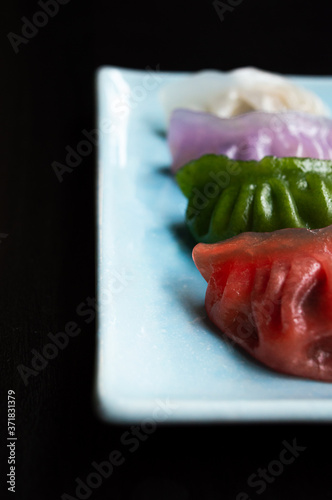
[[227, 197]]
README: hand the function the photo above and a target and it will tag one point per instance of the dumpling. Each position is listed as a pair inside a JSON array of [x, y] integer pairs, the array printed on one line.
[[271, 293], [227, 94], [228, 197], [250, 136]]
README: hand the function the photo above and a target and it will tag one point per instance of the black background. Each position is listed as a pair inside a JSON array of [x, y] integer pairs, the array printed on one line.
[[47, 260]]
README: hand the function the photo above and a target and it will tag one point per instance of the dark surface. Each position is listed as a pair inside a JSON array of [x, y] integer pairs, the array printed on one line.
[[47, 259]]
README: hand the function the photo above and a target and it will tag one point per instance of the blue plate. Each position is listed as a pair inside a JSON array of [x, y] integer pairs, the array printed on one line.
[[159, 358]]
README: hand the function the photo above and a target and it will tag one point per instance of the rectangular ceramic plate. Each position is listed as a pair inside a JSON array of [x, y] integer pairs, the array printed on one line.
[[158, 356]]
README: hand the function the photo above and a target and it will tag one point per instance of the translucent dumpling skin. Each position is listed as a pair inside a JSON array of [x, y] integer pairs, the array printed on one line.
[[271, 293], [231, 93], [228, 197], [250, 136]]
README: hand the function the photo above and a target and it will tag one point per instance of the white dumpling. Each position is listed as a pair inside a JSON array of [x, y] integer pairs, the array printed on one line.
[[227, 94]]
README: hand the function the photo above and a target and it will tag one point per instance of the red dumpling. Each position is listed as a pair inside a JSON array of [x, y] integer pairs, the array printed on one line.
[[271, 293]]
